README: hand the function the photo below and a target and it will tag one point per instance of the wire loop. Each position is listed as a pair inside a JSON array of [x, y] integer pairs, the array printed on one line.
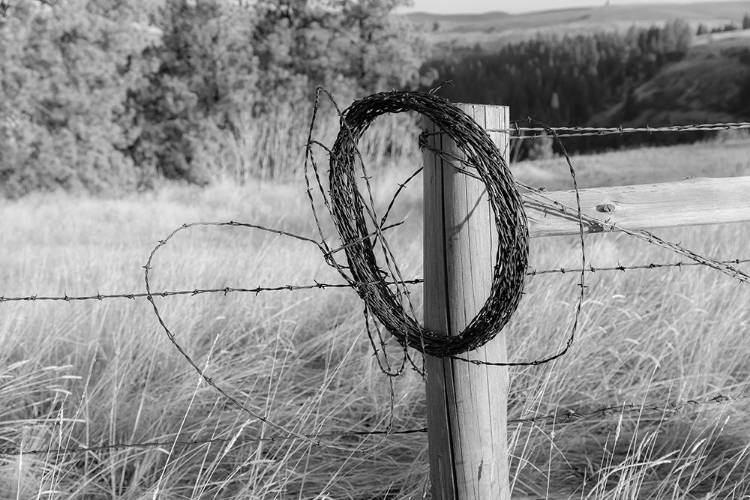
[[347, 210]]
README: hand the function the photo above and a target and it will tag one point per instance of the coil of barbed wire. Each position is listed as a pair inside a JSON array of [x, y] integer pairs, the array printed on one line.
[[348, 206]]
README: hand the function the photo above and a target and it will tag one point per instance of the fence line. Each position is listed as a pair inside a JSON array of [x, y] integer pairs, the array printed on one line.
[[562, 416], [322, 286]]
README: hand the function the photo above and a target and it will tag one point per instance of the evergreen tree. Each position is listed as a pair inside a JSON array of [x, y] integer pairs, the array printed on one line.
[[588, 74]]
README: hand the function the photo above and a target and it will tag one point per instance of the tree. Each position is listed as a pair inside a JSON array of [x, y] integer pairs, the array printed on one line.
[[340, 44], [746, 22], [203, 79], [65, 70], [113, 94]]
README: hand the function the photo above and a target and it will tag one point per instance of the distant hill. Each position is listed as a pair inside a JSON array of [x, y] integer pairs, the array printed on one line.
[[711, 84], [458, 19], [655, 75], [494, 29]]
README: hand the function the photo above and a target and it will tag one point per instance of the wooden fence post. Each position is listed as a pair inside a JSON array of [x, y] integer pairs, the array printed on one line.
[[466, 403]]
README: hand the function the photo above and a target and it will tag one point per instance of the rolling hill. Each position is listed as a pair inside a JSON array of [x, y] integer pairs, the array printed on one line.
[[493, 29], [711, 84]]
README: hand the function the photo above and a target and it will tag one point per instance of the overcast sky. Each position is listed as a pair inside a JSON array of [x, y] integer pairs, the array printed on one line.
[[515, 6]]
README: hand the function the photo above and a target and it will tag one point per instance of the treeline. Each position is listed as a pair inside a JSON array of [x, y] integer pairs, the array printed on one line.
[[703, 29], [103, 95], [565, 80]]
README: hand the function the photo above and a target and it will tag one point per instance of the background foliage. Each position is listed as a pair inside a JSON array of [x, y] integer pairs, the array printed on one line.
[[584, 72], [106, 95], [114, 96], [659, 75]]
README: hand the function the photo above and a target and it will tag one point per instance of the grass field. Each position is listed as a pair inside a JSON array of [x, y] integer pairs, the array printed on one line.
[[95, 373]]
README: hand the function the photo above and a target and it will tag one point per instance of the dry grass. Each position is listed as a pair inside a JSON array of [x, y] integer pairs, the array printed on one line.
[[725, 158], [96, 373]]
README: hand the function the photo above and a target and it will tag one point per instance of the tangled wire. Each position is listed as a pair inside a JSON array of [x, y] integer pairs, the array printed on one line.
[[348, 207], [353, 216]]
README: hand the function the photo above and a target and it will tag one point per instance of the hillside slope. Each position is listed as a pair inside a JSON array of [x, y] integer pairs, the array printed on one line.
[[711, 84], [494, 29]]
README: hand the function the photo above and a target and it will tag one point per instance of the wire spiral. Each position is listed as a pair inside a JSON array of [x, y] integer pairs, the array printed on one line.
[[348, 212]]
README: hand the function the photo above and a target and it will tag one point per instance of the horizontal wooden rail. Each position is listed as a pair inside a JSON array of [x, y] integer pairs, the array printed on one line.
[[683, 203]]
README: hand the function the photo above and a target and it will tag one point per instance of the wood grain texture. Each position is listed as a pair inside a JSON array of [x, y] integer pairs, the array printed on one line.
[[668, 204], [466, 403]]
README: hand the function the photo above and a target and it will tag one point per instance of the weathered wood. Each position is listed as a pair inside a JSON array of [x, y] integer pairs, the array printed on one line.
[[684, 203], [466, 403]]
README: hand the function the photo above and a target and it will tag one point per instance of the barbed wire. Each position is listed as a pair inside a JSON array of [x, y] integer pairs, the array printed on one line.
[[193, 292], [561, 416], [564, 132], [646, 267], [226, 290]]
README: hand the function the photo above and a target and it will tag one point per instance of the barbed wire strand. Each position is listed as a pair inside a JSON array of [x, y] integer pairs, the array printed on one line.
[[564, 132], [622, 268], [320, 285], [517, 133], [561, 416]]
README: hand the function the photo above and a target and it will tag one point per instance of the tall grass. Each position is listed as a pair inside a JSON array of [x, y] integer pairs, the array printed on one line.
[[274, 148], [95, 373]]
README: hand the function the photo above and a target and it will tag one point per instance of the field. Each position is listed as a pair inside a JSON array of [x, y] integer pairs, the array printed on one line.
[[673, 342]]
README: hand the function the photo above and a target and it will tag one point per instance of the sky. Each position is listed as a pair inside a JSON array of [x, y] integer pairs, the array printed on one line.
[[516, 6]]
